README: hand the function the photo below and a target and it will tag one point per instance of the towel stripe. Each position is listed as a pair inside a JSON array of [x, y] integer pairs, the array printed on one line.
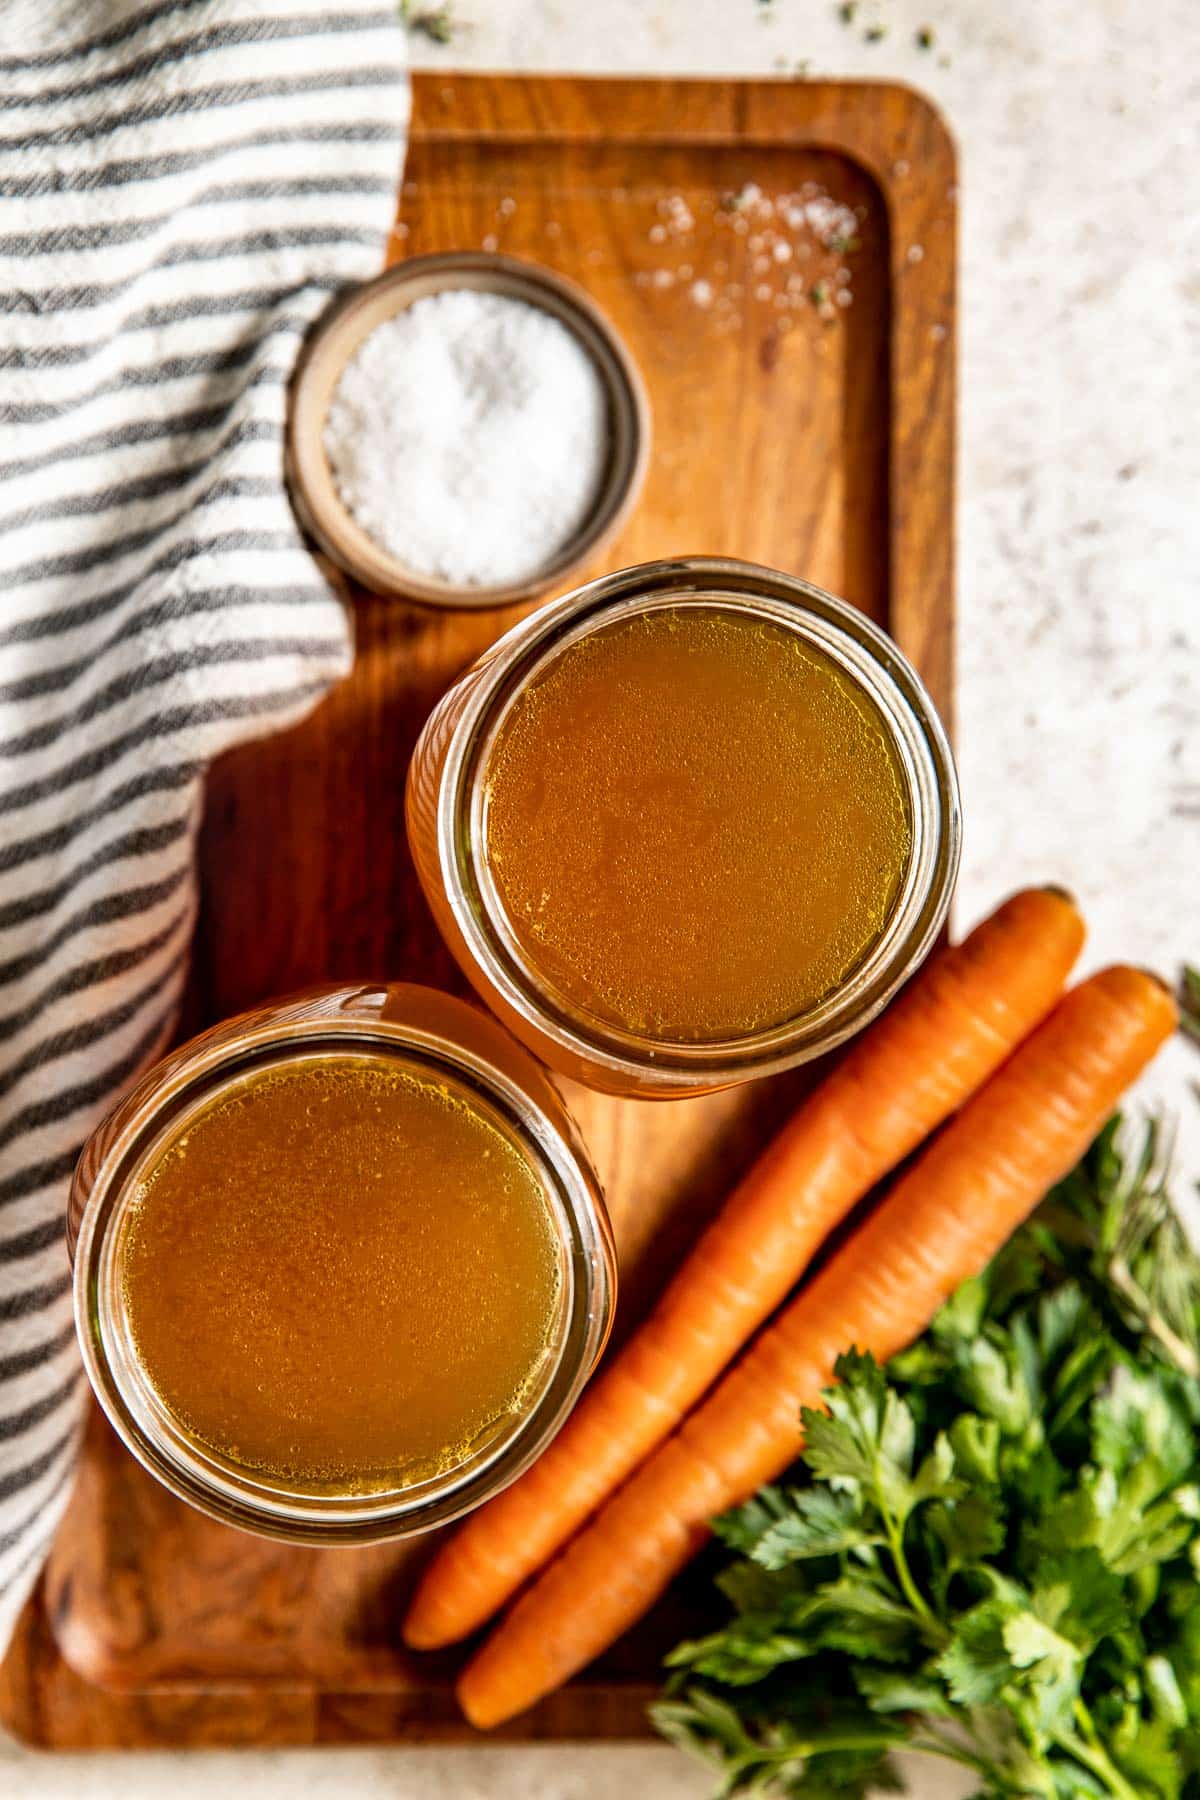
[[96, 973], [214, 37], [234, 93], [24, 1362], [197, 423], [139, 21], [123, 171], [191, 181], [15, 1423], [53, 678], [15, 1481], [120, 907], [133, 845], [38, 1237], [82, 1037], [68, 618], [18, 851], [164, 670]]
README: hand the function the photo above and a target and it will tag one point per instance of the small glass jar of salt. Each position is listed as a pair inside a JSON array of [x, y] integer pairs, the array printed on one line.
[[469, 437]]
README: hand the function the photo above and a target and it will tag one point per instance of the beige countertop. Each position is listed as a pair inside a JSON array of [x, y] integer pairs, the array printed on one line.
[[1079, 597]]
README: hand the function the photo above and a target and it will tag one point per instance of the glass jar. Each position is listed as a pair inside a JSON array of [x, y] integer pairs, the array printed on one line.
[[446, 803], [428, 1031]]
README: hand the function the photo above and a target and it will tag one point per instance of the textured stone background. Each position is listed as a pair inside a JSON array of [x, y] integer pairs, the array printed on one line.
[[1079, 645]]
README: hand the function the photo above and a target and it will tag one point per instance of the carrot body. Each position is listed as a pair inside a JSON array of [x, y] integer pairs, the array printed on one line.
[[941, 1223], [950, 1029]]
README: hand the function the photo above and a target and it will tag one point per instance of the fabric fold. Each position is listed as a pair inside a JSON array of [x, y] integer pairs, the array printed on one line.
[[183, 186]]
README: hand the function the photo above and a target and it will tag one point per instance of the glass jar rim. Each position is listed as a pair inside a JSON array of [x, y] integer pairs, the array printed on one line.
[[274, 1037], [871, 659]]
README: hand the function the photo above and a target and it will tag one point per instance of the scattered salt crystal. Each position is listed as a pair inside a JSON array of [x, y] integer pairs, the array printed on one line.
[[490, 242], [900, 168], [507, 207], [663, 278], [780, 232], [679, 215], [702, 293], [468, 436], [916, 253], [844, 297]]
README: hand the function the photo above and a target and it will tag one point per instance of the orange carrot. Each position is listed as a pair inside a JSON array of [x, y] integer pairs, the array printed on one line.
[[950, 1029], [940, 1223]]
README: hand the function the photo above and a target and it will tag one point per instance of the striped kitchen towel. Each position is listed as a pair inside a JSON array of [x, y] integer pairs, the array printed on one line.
[[182, 187]]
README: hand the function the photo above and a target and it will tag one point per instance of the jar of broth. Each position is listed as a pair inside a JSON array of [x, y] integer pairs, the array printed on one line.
[[342, 1265], [693, 823]]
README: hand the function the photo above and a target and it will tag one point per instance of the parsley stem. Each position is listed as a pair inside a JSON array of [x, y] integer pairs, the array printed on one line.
[[934, 1628], [800, 1750], [1089, 1751], [894, 1531], [881, 1743]]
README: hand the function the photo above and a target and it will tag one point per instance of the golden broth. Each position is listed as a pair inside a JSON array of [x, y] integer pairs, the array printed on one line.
[[342, 1273], [695, 823]]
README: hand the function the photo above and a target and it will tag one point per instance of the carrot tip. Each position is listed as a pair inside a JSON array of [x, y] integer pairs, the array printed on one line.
[[1061, 893], [418, 1637], [482, 1718]]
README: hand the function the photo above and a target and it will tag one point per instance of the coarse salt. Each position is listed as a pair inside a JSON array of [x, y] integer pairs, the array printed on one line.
[[468, 436]]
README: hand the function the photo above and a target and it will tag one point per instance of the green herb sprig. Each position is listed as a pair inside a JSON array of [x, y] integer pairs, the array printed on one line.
[[1189, 1003], [436, 23], [989, 1551]]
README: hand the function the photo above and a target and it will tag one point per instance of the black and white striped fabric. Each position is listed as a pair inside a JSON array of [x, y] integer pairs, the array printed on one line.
[[182, 187]]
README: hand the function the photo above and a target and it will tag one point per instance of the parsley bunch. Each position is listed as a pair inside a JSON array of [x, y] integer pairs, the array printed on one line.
[[989, 1550]]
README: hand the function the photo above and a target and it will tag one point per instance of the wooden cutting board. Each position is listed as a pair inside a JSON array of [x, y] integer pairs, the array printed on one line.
[[821, 444]]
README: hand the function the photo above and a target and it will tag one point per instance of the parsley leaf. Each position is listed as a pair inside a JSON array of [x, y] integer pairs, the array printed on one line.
[[990, 1549]]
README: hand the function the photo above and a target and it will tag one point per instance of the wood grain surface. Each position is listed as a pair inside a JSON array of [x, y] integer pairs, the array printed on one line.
[[825, 449]]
